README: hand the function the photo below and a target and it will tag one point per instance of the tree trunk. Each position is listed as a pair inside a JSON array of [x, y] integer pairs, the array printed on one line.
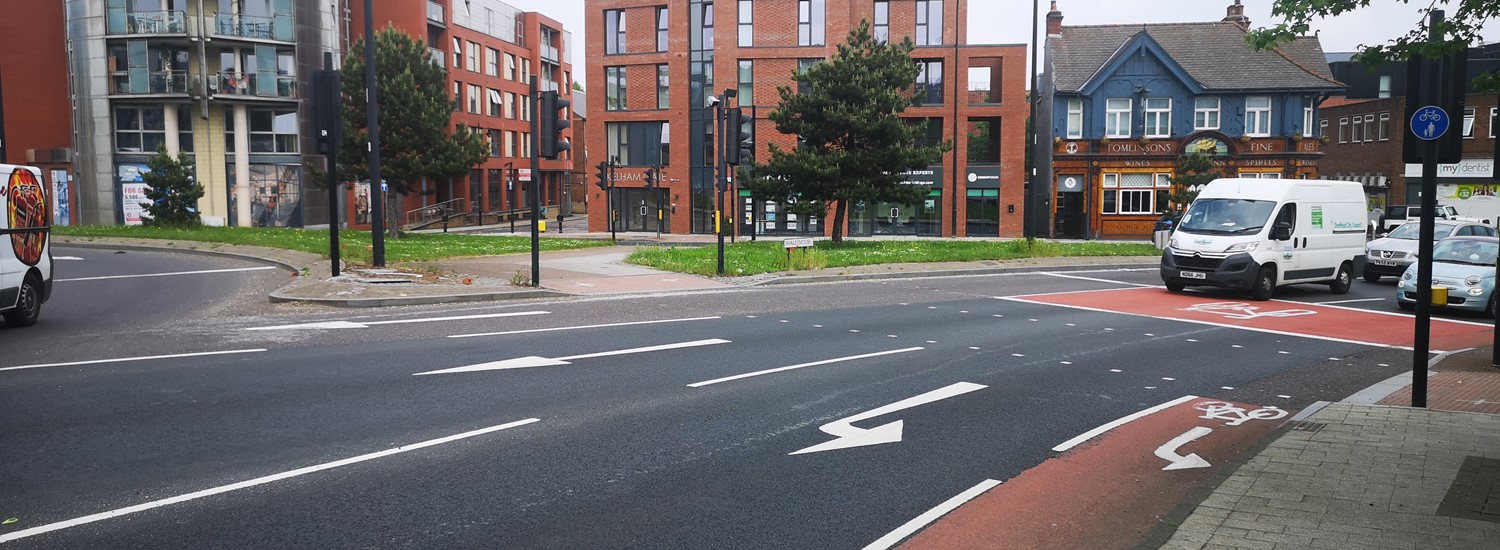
[[392, 210], [839, 208]]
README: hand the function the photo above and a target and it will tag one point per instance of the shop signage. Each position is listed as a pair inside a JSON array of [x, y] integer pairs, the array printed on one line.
[[1135, 147], [930, 176], [1466, 168], [1070, 184], [983, 177]]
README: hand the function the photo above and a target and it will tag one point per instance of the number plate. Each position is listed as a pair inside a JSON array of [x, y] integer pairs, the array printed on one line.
[[1384, 262], [1191, 274]]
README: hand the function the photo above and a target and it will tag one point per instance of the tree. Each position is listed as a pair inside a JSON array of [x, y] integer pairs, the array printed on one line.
[[416, 140], [1194, 169], [174, 192], [853, 143], [1461, 27]]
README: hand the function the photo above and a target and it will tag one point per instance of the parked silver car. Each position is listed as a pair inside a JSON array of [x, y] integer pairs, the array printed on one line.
[[1388, 256]]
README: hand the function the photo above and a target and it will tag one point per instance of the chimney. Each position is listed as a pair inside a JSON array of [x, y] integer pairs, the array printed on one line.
[[1054, 21], [1236, 14]]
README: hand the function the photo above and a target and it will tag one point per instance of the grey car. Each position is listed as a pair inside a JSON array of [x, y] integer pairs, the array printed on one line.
[[1388, 256]]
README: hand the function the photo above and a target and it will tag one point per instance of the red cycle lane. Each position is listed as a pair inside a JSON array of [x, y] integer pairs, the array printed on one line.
[[1111, 490], [1292, 318]]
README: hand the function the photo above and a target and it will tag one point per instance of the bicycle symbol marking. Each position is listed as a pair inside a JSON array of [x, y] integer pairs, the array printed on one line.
[[1243, 310], [1236, 415], [1429, 115]]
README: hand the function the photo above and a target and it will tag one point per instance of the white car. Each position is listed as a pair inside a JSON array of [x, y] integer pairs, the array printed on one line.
[[1388, 256]]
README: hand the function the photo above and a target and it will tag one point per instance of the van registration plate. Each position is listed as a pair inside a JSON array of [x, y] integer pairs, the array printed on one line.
[[1191, 274]]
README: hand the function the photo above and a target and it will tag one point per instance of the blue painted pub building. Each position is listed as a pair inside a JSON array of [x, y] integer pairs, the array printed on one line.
[[1121, 104]]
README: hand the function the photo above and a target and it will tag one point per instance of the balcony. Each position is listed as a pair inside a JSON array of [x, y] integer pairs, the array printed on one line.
[[144, 82], [550, 53], [435, 13], [148, 22], [249, 26], [439, 57], [251, 85]]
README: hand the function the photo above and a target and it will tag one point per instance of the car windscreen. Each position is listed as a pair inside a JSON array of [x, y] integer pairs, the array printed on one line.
[[1227, 216], [1465, 251], [1412, 231]]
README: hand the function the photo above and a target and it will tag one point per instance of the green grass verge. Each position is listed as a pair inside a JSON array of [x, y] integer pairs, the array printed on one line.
[[771, 257], [355, 246]]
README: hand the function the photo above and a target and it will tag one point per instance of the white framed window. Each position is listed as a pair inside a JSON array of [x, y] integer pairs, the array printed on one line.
[[1259, 175], [1075, 119], [491, 62], [1493, 112], [1111, 184], [1322, 127], [1307, 122], [1370, 127], [1385, 87], [1343, 129], [1468, 122], [1206, 113], [1356, 129], [1385, 126], [1258, 116], [1134, 193], [473, 58], [1158, 116], [1117, 117]]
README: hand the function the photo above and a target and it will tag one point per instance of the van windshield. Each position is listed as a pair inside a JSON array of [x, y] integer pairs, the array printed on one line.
[[1227, 216]]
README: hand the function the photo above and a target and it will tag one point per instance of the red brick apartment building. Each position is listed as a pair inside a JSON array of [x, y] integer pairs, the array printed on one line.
[[34, 110], [491, 50], [655, 65]]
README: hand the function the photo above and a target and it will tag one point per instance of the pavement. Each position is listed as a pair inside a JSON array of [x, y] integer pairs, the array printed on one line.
[[1367, 472]]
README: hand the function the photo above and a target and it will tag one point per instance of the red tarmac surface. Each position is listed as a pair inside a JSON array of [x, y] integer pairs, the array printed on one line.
[[1293, 318]]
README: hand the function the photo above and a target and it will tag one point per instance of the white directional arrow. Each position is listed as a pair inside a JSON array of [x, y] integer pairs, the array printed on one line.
[[850, 436], [368, 324], [534, 361], [1168, 451]]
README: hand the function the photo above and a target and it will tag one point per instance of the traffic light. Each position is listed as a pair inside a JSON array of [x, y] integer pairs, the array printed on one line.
[[554, 121], [741, 141], [603, 175], [651, 177]]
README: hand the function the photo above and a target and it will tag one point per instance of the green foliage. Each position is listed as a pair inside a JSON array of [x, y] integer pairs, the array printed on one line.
[[416, 137], [1461, 26], [174, 191], [854, 144], [1194, 169], [746, 258]]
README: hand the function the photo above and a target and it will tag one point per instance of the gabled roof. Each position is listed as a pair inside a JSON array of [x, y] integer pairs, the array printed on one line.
[[1214, 54]]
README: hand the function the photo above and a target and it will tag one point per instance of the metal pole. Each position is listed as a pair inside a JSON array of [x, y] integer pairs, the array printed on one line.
[[335, 138], [372, 108], [613, 162], [1028, 201], [1420, 347], [719, 176], [536, 200], [510, 191]]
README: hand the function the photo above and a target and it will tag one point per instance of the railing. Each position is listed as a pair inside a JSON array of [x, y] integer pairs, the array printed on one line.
[[980, 93], [437, 211], [148, 22], [248, 84], [439, 57], [435, 12], [248, 26], [150, 82], [550, 53]]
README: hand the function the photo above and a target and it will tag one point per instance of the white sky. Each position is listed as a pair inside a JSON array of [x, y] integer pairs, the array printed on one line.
[[1009, 21]]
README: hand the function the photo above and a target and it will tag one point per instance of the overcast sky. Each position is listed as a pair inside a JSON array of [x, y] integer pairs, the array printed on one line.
[[1008, 21]]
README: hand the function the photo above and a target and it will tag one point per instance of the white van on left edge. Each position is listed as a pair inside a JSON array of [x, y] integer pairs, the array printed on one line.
[[25, 247]]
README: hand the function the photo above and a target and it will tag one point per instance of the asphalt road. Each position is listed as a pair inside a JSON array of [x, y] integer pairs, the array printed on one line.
[[681, 420]]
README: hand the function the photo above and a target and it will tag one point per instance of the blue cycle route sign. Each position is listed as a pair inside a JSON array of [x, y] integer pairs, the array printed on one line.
[[1429, 123]]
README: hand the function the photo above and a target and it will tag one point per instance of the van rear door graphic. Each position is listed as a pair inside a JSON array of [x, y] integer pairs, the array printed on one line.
[[27, 213]]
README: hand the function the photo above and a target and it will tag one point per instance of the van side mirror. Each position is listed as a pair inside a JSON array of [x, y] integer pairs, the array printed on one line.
[[1281, 231]]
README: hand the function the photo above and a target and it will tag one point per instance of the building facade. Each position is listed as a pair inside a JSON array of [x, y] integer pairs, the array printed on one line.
[[1124, 102], [662, 64], [34, 110], [491, 51]]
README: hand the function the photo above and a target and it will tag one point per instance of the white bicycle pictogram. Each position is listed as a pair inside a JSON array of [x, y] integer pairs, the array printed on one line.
[[1236, 415], [1429, 115], [1242, 310]]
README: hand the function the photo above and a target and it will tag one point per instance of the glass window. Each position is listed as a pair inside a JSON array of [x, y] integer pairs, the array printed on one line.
[[661, 29], [510, 67], [1493, 112], [1343, 129], [473, 99], [510, 105], [810, 22], [663, 87], [491, 62], [458, 53], [473, 57], [707, 38], [1258, 116], [492, 107], [1307, 121], [1356, 129], [928, 89], [1075, 119], [614, 31], [458, 97], [1370, 127], [1206, 113], [1385, 87], [747, 82], [1468, 122], [1322, 127], [747, 24], [638, 143], [273, 131], [1158, 116], [882, 25], [929, 31], [614, 88], [1117, 117], [140, 129]]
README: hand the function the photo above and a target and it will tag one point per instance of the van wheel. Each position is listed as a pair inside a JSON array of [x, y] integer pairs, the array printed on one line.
[[1405, 306], [1343, 280], [28, 304], [1372, 277], [1265, 284], [1489, 311], [1175, 286]]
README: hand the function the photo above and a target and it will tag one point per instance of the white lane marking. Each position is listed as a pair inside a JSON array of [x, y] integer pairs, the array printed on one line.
[[1019, 299], [916, 524], [169, 274], [846, 435], [1209, 323], [67, 258], [1168, 451], [1085, 436], [367, 324], [1097, 280], [1351, 301], [605, 325], [799, 366], [534, 361], [254, 482], [128, 359]]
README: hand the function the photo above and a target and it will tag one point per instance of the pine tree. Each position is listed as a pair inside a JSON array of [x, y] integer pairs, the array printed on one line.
[[1194, 169], [174, 192]]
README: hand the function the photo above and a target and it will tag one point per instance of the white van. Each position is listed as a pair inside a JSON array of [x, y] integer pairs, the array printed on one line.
[[1258, 234], [25, 253]]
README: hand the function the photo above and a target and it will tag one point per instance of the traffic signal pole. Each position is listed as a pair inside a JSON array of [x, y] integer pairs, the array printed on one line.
[[536, 199]]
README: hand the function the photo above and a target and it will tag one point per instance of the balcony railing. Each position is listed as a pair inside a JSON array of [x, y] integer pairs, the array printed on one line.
[[439, 57], [980, 93], [146, 22], [140, 81], [435, 13], [250, 26], [252, 85], [550, 53]]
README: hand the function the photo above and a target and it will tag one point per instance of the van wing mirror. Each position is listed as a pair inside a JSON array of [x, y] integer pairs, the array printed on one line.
[[1281, 231]]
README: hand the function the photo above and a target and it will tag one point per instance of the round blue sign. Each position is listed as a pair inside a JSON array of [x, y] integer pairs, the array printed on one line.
[[1429, 122]]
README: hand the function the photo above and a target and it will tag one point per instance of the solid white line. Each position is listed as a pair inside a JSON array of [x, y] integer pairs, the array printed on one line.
[[1085, 436], [916, 524], [74, 258], [1095, 279], [1348, 301], [125, 359], [253, 482], [527, 331], [679, 345], [366, 324], [1022, 297], [168, 274], [812, 364]]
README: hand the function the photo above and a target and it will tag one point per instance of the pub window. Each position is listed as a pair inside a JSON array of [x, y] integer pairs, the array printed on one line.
[[1258, 116], [1075, 119], [1307, 122], [1158, 116], [1117, 117], [1206, 113]]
